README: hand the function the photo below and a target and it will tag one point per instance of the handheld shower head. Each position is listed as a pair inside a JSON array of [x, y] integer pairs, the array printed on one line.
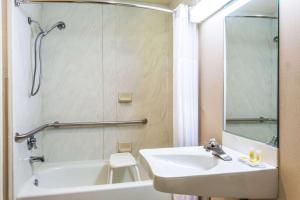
[[60, 25], [37, 53]]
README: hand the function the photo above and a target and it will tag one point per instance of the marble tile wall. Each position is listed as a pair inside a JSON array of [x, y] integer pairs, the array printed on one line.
[[25, 110], [252, 70], [105, 50], [73, 81]]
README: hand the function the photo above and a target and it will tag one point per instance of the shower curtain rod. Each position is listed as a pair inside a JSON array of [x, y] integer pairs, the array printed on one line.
[[108, 2], [255, 16]]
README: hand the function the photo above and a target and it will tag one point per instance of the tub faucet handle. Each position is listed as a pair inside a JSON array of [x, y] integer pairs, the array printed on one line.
[[31, 143]]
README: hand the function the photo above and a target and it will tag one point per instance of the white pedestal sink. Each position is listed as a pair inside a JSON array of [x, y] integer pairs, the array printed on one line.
[[193, 171]]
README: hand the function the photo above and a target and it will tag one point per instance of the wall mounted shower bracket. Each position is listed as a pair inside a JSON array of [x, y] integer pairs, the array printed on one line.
[[18, 2]]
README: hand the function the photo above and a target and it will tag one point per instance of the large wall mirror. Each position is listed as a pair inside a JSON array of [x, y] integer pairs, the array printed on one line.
[[251, 71]]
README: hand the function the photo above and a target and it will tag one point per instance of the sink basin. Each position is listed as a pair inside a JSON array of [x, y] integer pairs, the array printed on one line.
[[181, 164], [196, 162], [194, 171]]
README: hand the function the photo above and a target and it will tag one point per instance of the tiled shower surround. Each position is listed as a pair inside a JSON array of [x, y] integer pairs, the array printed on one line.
[[25, 111], [103, 51]]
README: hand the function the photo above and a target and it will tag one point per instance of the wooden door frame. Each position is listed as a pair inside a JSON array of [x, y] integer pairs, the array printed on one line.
[[4, 174]]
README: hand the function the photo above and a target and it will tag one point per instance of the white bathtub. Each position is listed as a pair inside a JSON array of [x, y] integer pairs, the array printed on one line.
[[86, 180]]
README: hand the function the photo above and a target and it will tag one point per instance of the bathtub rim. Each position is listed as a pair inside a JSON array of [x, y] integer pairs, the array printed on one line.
[[30, 190]]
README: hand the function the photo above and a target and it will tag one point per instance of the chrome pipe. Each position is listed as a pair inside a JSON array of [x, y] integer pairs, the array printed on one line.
[[22, 137], [96, 124], [254, 16], [251, 120], [109, 2]]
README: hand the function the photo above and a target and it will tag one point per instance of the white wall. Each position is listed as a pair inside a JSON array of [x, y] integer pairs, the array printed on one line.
[[25, 111], [105, 50]]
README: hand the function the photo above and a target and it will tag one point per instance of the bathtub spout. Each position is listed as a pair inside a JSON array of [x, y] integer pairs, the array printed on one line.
[[34, 159]]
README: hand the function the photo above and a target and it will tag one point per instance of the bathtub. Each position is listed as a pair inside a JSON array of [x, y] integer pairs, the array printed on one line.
[[86, 180]]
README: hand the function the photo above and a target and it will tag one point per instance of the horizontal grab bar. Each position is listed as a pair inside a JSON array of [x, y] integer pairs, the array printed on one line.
[[251, 120], [21, 137]]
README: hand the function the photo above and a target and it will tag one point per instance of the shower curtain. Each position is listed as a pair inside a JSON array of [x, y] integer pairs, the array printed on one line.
[[185, 82]]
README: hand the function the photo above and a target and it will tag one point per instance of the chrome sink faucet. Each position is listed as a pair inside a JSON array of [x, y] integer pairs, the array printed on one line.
[[216, 149]]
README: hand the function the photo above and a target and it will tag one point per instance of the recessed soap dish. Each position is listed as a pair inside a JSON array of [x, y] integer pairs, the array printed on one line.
[[125, 97]]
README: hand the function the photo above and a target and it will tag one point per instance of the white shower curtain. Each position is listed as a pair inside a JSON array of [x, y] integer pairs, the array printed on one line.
[[185, 82], [185, 78]]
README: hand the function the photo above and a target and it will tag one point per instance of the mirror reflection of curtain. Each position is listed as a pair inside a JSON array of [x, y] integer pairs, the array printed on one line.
[[185, 82]]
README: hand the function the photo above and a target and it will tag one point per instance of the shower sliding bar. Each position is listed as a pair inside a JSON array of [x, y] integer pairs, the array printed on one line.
[[109, 2], [22, 137]]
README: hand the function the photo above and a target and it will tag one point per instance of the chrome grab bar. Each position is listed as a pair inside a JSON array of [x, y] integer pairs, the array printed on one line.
[[251, 120], [22, 137]]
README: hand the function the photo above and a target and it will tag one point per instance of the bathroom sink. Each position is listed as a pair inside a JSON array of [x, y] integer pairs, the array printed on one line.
[[196, 162], [194, 171], [181, 164]]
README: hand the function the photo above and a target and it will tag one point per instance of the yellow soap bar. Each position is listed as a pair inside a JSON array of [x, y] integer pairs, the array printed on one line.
[[251, 155], [258, 156]]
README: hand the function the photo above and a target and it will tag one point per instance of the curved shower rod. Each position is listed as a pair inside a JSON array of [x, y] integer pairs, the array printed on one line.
[[255, 16], [109, 2]]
